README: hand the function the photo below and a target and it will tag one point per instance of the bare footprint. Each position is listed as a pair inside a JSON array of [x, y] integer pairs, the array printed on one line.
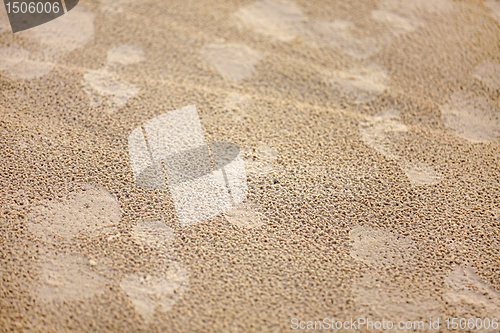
[[153, 234], [101, 85], [114, 6], [382, 132], [90, 211], [125, 54], [494, 6], [471, 117], [470, 296], [161, 290], [262, 162], [39, 49], [70, 277], [104, 87], [414, 12], [233, 61], [375, 295], [338, 34], [284, 21], [246, 215], [156, 293], [359, 84], [237, 106], [489, 74], [279, 20], [397, 24]]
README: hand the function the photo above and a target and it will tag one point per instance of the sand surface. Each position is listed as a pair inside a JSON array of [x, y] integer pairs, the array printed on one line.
[[354, 145]]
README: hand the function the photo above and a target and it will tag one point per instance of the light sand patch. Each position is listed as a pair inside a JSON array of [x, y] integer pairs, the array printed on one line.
[[125, 54], [277, 19], [397, 24], [489, 74], [416, 11], [66, 33], [153, 234], [338, 34], [266, 153], [236, 106], [101, 83], [4, 21], [236, 101], [494, 6], [114, 6], [469, 296], [149, 293], [55, 39], [422, 174], [70, 277], [89, 211], [471, 118], [383, 132], [401, 17], [28, 69], [257, 168], [233, 61], [377, 299], [246, 215], [374, 294], [360, 84], [380, 248], [12, 55], [261, 161]]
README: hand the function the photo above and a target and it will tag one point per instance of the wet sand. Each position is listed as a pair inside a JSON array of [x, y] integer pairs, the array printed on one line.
[[369, 132]]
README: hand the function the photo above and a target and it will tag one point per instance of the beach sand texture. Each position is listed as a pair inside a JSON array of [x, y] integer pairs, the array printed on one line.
[[369, 132]]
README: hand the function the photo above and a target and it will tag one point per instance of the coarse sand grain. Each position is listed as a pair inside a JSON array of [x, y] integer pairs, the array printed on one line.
[[227, 166]]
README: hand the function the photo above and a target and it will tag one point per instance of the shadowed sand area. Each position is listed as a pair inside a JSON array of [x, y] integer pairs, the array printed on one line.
[[227, 166]]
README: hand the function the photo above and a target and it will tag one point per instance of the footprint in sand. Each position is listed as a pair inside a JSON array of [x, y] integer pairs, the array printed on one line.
[[279, 20], [339, 34], [359, 84], [39, 49], [105, 88], [470, 297], [4, 21], [472, 117], [233, 61], [261, 162], [114, 6], [70, 277], [91, 210], [494, 6], [399, 17], [489, 74], [284, 21], [149, 293], [247, 215], [406, 16], [375, 295], [396, 24], [237, 106], [383, 132]]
